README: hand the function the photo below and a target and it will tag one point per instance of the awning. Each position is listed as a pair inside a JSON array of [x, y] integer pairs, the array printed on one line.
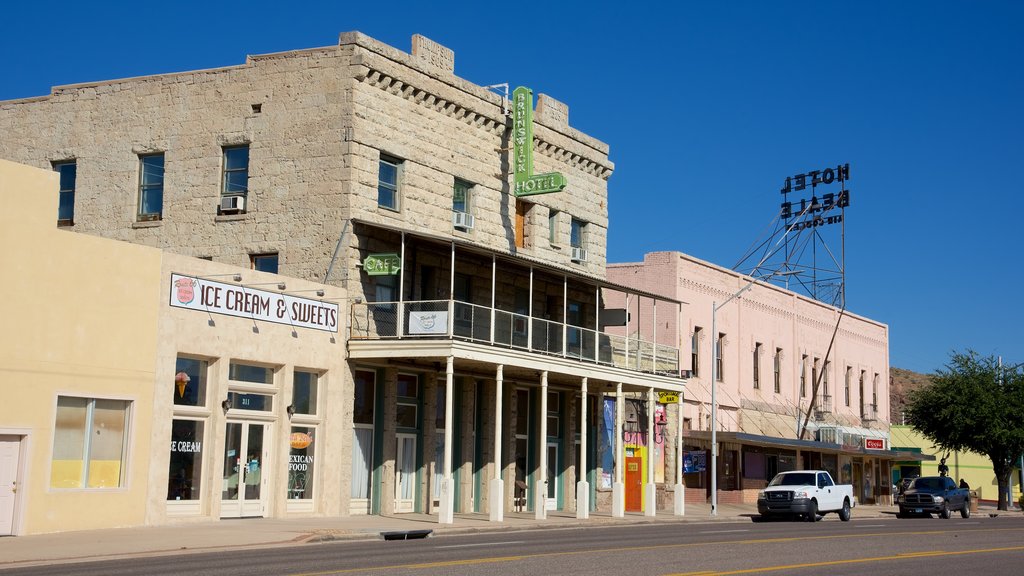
[[811, 445]]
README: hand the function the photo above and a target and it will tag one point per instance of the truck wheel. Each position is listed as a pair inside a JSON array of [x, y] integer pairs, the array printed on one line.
[[944, 513], [965, 512], [844, 512], [902, 513], [812, 511]]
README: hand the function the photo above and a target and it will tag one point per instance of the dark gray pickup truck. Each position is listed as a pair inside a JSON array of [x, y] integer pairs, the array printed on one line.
[[934, 495]]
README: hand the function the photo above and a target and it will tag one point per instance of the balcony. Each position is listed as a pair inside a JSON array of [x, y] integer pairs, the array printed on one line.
[[454, 320], [869, 413], [823, 405]]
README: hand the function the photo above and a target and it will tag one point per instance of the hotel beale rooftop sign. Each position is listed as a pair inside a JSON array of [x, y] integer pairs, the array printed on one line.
[[235, 300], [526, 183], [814, 208]]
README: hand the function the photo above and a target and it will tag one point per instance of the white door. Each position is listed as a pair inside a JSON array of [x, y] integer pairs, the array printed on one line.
[[10, 447], [405, 473], [552, 470], [246, 455]]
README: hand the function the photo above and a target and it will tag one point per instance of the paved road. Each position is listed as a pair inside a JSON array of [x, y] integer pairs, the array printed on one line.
[[928, 546]]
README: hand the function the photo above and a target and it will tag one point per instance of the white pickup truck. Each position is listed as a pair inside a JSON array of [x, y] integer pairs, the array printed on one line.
[[807, 493]]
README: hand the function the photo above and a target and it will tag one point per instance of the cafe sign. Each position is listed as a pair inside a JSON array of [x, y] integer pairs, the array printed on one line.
[[382, 264], [668, 397], [525, 182]]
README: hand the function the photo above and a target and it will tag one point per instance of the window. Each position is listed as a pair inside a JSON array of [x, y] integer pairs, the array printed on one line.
[[66, 198], [362, 434], [874, 393], [89, 443], [250, 373], [757, 365], [522, 215], [408, 401], [264, 262], [803, 376], [554, 423], [846, 386], [577, 233], [151, 187], [185, 475], [236, 171], [553, 226], [387, 182], [778, 370], [695, 352], [814, 374], [719, 344], [304, 392], [860, 391], [301, 462], [189, 382], [462, 196]]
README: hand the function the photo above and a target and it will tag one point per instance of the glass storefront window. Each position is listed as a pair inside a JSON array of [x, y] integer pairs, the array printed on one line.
[[89, 443], [304, 392], [190, 382], [362, 409], [186, 469], [301, 462]]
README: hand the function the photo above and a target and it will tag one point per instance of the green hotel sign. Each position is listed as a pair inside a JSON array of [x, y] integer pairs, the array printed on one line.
[[382, 264], [527, 183]]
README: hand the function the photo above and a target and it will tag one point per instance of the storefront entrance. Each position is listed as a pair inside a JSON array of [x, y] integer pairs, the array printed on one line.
[[245, 456], [405, 473]]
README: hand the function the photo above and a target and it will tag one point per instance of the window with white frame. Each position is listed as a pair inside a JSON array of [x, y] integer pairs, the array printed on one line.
[[407, 408], [90, 440], [235, 178], [462, 196], [578, 233]]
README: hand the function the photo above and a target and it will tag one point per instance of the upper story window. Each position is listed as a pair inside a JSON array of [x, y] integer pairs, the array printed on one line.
[[68, 171], [304, 392], [462, 204], [757, 365], [522, 217], [778, 370], [695, 352], [719, 344], [264, 262], [388, 177], [235, 181], [190, 382], [553, 226], [578, 240], [407, 405], [803, 375], [151, 187], [846, 386]]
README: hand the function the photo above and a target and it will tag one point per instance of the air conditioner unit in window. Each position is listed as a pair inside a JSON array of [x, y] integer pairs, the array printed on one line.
[[578, 254], [462, 220], [232, 203]]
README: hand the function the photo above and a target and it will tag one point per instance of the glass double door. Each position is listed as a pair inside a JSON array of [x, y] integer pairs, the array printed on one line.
[[245, 457]]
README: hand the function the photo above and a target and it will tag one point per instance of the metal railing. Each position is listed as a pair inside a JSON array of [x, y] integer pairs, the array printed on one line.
[[461, 320], [869, 412]]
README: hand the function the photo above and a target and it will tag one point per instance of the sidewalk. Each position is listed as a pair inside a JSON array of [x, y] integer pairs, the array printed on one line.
[[20, 551]]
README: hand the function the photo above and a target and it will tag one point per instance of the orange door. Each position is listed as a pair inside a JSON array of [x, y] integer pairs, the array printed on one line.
[[634, 478]]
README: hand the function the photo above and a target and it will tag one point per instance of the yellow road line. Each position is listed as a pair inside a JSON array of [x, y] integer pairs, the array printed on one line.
[[855, 561], [498, 559]]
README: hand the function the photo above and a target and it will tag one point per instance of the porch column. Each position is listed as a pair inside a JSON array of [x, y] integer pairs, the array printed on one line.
[[618, 487], [679, 500], [497, 484], [582, 486], [540, 508], [650, 489], [446, 513]]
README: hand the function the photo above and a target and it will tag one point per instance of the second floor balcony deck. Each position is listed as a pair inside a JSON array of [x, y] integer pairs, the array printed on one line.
[[456, 320]]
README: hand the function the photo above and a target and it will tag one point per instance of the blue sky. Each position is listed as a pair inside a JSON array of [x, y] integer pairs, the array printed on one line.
[[707, 107]]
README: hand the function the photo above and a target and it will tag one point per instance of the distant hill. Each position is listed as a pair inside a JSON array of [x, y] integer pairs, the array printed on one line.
[[901, 382]]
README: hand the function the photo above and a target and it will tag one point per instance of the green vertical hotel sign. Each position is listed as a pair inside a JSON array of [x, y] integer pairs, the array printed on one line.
[[526, 183]]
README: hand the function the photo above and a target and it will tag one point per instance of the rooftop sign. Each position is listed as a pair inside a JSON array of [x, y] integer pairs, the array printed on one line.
[[526, 183]]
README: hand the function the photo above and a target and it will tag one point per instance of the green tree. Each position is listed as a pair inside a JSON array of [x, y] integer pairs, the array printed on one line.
[[974, 404]]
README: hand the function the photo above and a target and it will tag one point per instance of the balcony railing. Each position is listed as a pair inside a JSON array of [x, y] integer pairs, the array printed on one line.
[[869, 412], [460, 320], [824, 404]]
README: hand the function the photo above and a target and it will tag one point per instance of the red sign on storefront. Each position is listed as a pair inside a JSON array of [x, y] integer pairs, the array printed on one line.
[[874, 444]]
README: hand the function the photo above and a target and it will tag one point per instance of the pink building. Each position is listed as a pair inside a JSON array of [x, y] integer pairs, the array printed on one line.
[[800, 384]]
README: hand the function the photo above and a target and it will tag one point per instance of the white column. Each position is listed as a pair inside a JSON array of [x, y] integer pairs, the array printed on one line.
[[679, 500], [618, 487], [446, 514], [582, 485], [650, 489], [497, 495], [540, 499]]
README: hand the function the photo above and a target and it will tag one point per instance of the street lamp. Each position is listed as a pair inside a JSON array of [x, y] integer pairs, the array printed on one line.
[[714, 380]]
